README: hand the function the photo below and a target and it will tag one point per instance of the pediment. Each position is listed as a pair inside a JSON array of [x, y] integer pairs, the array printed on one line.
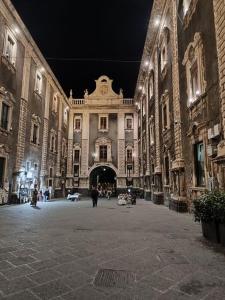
[[103, 89]]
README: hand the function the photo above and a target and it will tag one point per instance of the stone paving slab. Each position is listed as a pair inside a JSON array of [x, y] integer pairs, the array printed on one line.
[[55, 252]]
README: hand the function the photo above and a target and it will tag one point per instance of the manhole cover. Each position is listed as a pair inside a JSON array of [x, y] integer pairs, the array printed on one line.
[[114, 278]]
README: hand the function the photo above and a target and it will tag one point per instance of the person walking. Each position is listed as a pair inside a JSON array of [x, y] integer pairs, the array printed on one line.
[[34, 196], [94, 196], [46, 194]]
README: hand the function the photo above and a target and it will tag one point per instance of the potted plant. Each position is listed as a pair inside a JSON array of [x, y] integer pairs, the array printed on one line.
[[206, 211], [220, 216]]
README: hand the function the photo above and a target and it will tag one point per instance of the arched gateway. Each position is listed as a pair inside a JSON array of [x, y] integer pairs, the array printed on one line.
[[103, 175]]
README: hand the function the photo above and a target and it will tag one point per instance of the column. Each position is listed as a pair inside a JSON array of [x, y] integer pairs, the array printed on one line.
[[178, 163], [69, 175], [22, 119], [158, 196], [84, 180], [121, 180], [44, 166], [219, 13]]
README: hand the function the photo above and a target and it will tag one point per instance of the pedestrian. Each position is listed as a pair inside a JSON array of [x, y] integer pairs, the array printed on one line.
[[94, 196], [34, 196], [46, 194], [41, 196], [109, 193]]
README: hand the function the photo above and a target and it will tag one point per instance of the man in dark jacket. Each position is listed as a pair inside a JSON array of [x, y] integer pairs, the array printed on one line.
[[94, 196]]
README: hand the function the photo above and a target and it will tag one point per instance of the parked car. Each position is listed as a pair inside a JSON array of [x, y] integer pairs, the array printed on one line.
[[74, 197]]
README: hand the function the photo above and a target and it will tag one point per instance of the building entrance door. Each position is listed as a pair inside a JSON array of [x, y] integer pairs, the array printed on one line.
[[104, 177]]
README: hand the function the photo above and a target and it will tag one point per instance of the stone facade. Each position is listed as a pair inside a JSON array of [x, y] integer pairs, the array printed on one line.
[[31, 108], [102, 121], [179, 96]]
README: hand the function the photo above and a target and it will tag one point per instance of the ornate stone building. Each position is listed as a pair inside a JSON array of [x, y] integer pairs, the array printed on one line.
[[33, 114], [49, 140], [180, 95], [102, 140]]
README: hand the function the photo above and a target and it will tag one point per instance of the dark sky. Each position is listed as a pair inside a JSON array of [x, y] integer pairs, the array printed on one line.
[[76, 36]]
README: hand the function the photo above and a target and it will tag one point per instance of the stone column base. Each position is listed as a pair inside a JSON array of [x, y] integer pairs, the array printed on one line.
[[148, 195], [158, 198], [178, 204]]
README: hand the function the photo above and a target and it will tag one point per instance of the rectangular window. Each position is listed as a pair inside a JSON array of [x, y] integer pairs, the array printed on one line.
[[103, 123], [103, 153], [28, 163], [153, 174], [129, 155], [77, 124], [76, 170], [129, 123], [35, 134], [151, 87], [4, 116], [50, 183], [163, 57], [151, 134], [50, 172], [167, 171], [52, 143], [10, 49], [129, 170], [165, 119], [194, 81], [2, 171], [199, 164], [38, 83], [143, 107], [77, 156]]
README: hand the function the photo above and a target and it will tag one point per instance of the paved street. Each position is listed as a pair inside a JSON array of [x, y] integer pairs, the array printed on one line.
[[66, 250]]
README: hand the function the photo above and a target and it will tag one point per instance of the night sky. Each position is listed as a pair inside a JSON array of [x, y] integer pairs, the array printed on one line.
[[82, 40]]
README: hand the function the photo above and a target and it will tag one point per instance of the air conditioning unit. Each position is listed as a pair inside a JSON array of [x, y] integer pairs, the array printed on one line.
[[214, 131], [211, 150]]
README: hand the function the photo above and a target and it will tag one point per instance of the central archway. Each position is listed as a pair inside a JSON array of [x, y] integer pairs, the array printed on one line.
[[104, 176]]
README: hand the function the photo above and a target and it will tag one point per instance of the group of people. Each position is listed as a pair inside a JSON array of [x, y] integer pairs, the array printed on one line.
[[39, 195], [105, 190], [127, 198]]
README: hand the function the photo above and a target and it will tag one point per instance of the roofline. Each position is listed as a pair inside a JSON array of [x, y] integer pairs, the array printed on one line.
[[30, 40]]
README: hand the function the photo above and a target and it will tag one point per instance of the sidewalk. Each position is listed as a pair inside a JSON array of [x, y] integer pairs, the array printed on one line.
[[69, 250]]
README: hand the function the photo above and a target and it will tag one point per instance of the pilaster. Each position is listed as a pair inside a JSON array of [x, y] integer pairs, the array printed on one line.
[[70, 147], [157, 117], [178, 163], [23, 112], [121, 145], [219, 14], [59, 146], [45, 134], [85, 145], [136, 154]]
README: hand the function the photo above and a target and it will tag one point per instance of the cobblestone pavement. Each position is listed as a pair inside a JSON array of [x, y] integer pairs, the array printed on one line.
[[67, 250]]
